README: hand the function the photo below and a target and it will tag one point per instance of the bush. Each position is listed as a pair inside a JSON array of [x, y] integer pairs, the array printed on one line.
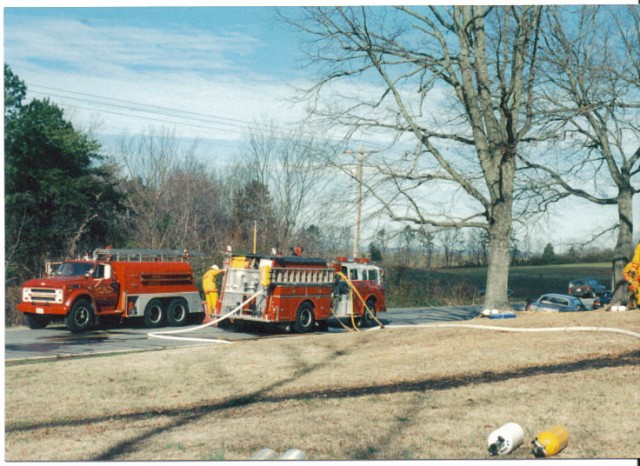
[[418, 287], [11, 299]]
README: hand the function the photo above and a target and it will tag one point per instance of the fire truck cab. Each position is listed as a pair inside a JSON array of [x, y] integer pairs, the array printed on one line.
[[366, 280], [113, 284], [302, 292]]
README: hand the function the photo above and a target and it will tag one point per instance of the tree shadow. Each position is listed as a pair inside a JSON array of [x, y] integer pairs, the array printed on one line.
[[185, 415]]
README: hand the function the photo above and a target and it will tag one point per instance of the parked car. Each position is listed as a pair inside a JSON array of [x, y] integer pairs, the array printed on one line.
[[586, 288], [602, 300], [553, 302]]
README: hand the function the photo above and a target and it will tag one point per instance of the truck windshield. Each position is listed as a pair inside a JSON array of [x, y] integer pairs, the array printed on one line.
[[73, 269]]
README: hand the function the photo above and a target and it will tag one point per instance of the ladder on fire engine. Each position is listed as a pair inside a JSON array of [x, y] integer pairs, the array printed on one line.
[[301, 276], [141, 255]]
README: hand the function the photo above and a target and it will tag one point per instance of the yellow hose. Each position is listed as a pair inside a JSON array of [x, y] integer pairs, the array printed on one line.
[[353, 288], [353, 321], [340, 322]]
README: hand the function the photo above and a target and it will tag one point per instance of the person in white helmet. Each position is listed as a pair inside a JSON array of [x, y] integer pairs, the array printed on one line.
[[210, 288]]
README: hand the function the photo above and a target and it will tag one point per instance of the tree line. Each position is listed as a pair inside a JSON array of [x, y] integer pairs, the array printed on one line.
[[65, 197]]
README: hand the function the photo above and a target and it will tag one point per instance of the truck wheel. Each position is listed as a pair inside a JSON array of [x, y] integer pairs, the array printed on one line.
[[178, 312], [153, 314], [367, 320], [305, 319], [80, 317], [35, 321]]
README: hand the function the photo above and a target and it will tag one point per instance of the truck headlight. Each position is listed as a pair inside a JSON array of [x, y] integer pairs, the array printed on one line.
[[26, 295]]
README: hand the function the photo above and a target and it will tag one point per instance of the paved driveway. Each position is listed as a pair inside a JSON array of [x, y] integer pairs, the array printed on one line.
[[57, 341]]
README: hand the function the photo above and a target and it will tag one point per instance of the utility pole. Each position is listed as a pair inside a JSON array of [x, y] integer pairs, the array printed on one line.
[[356, 242], [358, 176]]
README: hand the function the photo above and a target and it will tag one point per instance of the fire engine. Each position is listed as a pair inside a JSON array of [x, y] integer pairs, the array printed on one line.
[[150, 285], [301, 292]]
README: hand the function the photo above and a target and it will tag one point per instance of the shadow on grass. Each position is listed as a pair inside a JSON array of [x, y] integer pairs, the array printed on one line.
[[185, 415]]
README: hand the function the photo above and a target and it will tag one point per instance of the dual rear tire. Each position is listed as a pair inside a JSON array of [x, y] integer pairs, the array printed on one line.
[[176, 313], [81, 317]]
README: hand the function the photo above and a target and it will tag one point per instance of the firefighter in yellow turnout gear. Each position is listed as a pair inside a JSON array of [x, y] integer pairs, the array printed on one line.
[[631, 273], [210, 289]]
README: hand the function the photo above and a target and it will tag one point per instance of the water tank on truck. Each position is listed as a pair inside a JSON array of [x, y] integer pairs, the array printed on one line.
[[153, 286]]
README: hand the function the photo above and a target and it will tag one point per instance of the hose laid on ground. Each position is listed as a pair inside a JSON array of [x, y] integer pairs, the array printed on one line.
[[163, 335], [513, 329]]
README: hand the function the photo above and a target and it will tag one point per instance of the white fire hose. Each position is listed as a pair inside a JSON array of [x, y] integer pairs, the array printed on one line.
[[165, 334], [168, 334], [512, 329]]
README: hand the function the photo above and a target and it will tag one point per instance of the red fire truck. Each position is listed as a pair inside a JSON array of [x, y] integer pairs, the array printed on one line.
[[303, 292], [150, 285]]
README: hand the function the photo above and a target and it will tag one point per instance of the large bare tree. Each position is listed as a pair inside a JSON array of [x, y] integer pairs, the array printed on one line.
[[174, 201], [590, 60], [456, 82]]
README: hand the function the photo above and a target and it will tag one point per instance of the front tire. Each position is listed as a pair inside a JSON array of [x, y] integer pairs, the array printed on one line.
[[178, 313], [80, 317], [305, 319], [153, 314], [35, 321], [367, 320]]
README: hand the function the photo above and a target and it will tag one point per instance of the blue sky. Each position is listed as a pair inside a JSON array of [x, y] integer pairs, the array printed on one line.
[[207, 73], [254, 35]]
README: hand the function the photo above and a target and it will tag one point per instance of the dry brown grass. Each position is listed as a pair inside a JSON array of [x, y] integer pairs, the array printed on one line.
[[390, 394]]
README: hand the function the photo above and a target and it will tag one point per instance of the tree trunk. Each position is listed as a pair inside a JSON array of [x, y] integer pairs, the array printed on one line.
[[624, 246], [500, 222], [499, 259]]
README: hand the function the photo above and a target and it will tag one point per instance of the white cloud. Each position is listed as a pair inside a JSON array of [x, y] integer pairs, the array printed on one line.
[[95, 48], [192, 71]]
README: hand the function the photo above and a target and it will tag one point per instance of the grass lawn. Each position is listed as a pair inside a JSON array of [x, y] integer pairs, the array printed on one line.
[[420, 393]]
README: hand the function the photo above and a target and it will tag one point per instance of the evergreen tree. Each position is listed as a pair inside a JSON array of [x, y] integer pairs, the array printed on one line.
[[60, 196], [375, 255], [549, 255]]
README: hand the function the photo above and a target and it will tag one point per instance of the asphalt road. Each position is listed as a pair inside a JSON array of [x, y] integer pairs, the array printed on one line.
[[56, 341]]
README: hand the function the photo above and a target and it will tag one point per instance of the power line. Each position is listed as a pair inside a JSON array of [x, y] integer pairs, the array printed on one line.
[[240, 126], [150, 118], [150, 109], [134, 106]]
